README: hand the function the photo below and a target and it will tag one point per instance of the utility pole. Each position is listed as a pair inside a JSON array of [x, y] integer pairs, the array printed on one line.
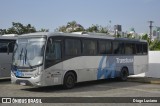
[[150, 28]]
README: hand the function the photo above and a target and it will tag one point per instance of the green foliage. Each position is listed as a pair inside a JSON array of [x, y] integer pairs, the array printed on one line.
[[18, 28], [97, 29], [93, 28], [145, 37], [129, 36], [155, 45], [43, 30], [72, 26]]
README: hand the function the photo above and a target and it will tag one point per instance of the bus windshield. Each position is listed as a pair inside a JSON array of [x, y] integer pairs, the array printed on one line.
[[28, 52]]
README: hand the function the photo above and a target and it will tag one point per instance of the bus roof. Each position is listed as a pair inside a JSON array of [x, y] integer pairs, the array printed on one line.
[[8, 37], [84, 35]]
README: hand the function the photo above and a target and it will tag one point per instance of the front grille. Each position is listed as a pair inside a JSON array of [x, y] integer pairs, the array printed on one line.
[[26, 70], [22, 77], [15, 68]]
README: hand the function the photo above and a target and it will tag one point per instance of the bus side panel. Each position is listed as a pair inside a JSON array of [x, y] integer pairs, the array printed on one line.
[[5, 64], [98, 67], [110, 66], [52, 75], [84, 66], [90, 68]]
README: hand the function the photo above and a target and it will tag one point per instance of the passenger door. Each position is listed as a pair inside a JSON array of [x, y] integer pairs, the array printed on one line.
[[53, 59]]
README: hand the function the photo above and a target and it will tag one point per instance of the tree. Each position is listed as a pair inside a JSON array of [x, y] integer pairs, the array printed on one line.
[[43, 30], [72, 26], [18, 28], [155, 45], [145, 37], [93, 28], [129, 36], [97, 29]]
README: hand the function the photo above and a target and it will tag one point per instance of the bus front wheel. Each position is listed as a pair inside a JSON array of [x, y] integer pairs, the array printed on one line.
[[69, 80], [124, 74]]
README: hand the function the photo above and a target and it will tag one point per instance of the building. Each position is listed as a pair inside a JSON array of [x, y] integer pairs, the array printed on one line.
[[118, 28]]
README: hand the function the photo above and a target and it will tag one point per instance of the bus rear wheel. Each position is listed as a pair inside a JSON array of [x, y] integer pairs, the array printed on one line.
[[124, 74], [69, 80]]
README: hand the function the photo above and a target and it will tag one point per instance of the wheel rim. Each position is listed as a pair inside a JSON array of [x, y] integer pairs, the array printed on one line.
[[124, 75], [70, 81]]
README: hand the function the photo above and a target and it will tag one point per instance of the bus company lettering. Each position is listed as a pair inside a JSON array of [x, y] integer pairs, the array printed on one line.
[[126, 60]]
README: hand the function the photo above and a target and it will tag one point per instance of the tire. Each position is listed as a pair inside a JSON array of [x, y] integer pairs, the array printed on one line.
[[69, 80], [124, 74]]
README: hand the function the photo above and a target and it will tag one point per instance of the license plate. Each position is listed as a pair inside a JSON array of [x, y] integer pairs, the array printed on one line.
[[22, 83]]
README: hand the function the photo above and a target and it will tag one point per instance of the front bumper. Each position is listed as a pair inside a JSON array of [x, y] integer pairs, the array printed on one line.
[[26, 81]]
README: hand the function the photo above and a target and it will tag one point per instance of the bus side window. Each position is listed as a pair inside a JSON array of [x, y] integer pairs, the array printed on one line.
[[53, 52], [11, 46], [118, 48], [128, 49], [139, 49], [89, 47], [104, 47], [4, 44], [72, 47], [145, 49]]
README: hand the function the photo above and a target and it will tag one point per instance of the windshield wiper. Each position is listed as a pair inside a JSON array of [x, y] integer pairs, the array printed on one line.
[[21, 54], [26, 59]]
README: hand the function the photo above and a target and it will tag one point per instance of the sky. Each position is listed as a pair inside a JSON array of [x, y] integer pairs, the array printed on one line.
[[50, 14]]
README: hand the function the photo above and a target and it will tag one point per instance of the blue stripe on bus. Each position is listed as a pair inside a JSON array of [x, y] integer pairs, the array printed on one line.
[[109, 70]]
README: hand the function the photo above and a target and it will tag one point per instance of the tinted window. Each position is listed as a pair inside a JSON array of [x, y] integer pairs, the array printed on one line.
[[105, 47], [4, 44], [129, 48], [118, 47], [53, 52], [72, 47], [139, 49], [89, 47], [145, 49]]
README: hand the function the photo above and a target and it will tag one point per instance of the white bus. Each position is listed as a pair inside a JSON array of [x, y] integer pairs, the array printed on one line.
[[44, 59], [5, 58]]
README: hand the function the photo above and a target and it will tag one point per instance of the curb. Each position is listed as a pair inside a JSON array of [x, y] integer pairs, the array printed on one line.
[[144, 80]]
